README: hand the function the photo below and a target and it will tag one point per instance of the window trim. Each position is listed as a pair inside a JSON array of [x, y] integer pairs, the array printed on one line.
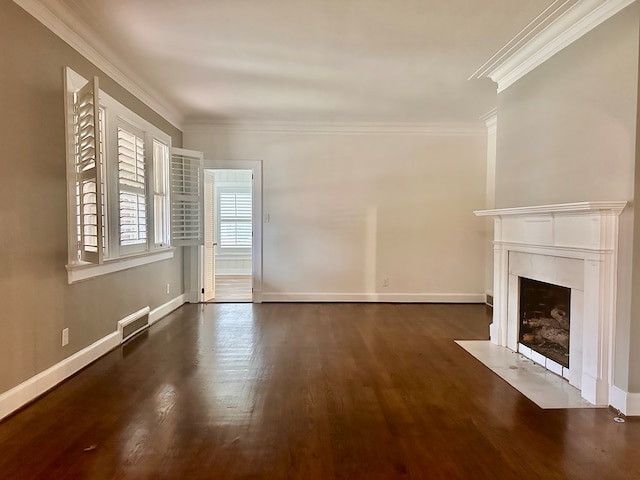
[[79, 272], [117, 258]]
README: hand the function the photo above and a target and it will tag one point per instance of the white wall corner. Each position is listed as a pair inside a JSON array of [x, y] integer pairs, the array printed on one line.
[[557, 27], [30, 389], [627, 403], [490, 119]]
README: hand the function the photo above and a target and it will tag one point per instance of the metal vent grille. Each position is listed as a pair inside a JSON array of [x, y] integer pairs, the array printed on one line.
[[133, 324], [489, 300]]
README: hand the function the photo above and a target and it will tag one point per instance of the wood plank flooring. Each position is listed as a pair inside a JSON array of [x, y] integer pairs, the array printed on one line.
[[233, 289], [308, 391]]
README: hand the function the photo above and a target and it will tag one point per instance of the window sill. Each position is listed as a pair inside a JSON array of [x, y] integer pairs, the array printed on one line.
[[84, 271]]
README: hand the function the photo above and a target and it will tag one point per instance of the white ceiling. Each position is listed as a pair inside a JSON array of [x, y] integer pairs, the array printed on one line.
[[386, 61]]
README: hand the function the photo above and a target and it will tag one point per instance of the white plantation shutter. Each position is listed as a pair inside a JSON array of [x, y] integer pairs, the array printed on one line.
[[88, 170], [235, 219], [187, 227], [132, 188]]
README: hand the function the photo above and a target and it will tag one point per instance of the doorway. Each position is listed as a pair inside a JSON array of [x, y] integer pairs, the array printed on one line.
[[228, 235]]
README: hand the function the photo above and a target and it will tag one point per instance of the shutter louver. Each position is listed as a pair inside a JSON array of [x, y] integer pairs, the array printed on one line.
[[186, 198], [88, 166], [132, 188]]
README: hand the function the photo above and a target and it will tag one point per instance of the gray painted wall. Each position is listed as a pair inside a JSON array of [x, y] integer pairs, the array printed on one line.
[[567, 133], [36, 301]]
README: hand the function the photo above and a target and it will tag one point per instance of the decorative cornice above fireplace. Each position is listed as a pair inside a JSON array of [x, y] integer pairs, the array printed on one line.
[[615, 207], [574, 245]]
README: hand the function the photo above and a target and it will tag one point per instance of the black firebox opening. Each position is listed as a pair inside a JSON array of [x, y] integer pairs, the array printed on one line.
[[544, 319]]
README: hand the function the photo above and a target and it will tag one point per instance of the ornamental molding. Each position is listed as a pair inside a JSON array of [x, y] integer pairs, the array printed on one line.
[[64, 23], [614, 207], [557, 27], [490, 119], [354, 128]]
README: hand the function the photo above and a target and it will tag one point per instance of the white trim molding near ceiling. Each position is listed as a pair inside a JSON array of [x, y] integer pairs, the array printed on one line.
[[359, 128], [490, 119], [94, 50], [557, 27]]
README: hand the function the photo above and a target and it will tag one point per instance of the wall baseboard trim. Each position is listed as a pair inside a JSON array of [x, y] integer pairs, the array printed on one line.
[[627, 403], [166, 308], [29, 390], [374, 297]]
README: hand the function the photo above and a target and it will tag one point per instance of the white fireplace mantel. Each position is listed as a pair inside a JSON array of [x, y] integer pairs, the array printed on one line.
[[573, 245]]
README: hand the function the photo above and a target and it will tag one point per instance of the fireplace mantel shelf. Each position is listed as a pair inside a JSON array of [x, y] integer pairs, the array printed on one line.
[[615, 207]]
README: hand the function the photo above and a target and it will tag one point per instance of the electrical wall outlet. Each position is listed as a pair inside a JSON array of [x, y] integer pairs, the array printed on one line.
[[65, 337], [385, 282], [168, 287]]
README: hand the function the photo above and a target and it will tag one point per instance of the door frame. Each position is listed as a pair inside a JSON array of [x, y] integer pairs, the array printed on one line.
[[197, 274]]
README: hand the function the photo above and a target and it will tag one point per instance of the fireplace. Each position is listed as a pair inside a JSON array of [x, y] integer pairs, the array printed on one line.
[[574, 247], [545, 320]]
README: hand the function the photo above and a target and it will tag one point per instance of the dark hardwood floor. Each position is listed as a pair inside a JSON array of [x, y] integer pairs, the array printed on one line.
[[308, 391]]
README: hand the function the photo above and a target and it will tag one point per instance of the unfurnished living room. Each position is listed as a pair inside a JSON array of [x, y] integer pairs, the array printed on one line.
[[319, 239]]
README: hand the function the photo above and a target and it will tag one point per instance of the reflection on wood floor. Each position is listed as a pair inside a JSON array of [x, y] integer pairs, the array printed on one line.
[[233, 289], [280, 391]]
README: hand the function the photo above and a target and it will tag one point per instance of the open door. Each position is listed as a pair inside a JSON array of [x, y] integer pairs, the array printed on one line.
[[209, 237], [190, 161]]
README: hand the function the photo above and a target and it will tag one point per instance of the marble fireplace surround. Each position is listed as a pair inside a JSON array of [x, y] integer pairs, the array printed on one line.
[[573, 245]]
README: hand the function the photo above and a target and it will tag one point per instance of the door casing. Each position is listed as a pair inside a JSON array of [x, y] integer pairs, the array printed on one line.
[[194, 258]]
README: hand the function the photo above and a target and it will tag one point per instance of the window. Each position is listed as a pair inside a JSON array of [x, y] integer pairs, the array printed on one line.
[[160, 193], [118, 181], [234, 213], [131, 188]]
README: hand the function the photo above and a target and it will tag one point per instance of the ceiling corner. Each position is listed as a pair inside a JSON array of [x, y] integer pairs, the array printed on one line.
[[557, 27], [57, 19]]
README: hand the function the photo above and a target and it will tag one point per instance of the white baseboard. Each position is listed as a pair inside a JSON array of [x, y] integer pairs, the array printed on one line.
[[166, 308], [374, 297], [627, 403], [32, 388]]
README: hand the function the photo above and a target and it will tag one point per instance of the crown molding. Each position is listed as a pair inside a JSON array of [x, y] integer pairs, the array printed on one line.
[[614, 207], [490, 119], [361, 128], [557, 27], [60, 21]]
